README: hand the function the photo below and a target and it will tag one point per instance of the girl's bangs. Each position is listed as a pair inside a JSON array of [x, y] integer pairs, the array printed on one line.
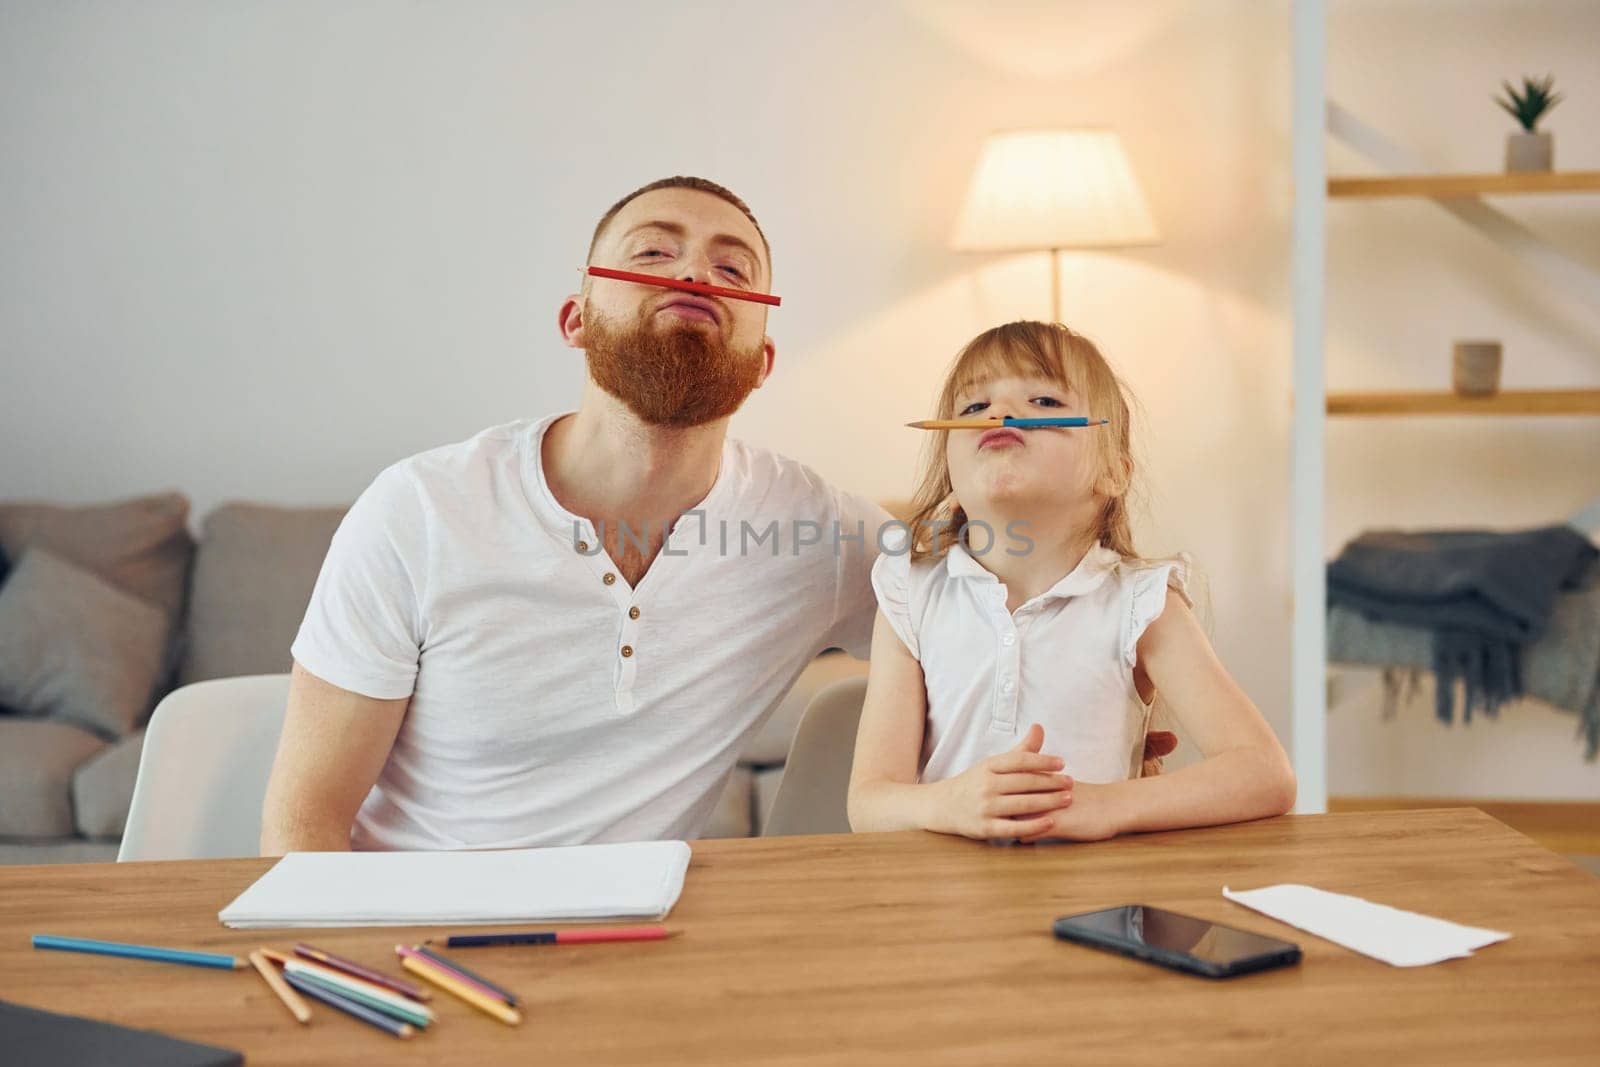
[[997, 356]]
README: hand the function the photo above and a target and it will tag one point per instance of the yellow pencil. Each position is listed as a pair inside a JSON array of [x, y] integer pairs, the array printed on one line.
[[955, 424], [275, 982], [419, 965]]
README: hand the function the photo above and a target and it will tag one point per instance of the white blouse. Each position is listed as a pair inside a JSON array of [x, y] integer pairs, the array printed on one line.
[[1064, 659]]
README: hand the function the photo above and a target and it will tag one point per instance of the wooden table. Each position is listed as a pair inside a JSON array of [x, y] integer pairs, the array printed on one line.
[[907, 948]]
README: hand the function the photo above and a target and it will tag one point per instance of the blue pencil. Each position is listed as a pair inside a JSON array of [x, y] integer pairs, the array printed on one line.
[[137, 952], [989, 424], [383, 1007], [1065, 420], [350, 1007]]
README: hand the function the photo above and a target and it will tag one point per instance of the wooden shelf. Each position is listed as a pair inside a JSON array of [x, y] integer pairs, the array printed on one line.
[[1446, 186], [1516, 402]]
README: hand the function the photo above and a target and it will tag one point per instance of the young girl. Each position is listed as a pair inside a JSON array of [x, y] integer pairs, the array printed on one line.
[[1021, 641]]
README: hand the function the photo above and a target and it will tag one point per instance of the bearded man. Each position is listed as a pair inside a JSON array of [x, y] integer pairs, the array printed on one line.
[[565, 630]]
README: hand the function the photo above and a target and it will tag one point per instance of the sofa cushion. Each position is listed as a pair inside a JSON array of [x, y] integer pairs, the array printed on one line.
[[253, 576], [771, 743], [60, 850], [77, 649], [102, 788], [37, 760], [142, 546]]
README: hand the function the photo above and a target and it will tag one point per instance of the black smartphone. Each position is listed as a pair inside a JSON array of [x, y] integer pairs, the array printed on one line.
[[1182, 942]]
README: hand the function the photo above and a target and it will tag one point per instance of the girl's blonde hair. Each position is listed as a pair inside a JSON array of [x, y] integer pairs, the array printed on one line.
[[1029, 349]]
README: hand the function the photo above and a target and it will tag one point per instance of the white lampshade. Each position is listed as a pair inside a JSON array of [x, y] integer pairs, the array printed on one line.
[[1053, 189]]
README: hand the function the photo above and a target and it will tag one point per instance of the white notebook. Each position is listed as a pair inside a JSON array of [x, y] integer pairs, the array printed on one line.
[[581, 883]]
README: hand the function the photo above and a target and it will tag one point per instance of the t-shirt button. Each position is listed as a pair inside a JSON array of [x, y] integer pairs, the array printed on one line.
[[633, 613], [627, 650], [583, 546], [609, 578]]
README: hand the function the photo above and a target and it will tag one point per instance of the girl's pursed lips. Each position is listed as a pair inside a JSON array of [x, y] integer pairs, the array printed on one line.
[[1001, 435]]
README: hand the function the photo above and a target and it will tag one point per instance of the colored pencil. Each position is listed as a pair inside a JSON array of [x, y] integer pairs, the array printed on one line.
[[419, 964], [339, 963], [688, 287], [392, 1005], [364, 991], [990, 424], [560, 937], [351, 1007], [275, 982], [351, 983], [469, 977], [138, 952]]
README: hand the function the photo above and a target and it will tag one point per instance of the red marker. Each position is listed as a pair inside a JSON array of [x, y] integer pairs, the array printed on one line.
[[688, 287], [561, 937]]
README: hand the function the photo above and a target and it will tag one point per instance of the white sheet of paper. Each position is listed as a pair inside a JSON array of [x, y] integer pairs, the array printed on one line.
[[578, 883], [1401, 938]]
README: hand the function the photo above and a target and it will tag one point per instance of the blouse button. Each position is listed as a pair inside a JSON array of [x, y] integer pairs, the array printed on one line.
[[583, 546], [627, 650], [1008, 687], [1009, 639], [633, 613], [609, 578]]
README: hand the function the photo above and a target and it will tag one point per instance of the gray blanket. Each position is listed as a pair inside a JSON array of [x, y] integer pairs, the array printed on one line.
[[1560, 665]]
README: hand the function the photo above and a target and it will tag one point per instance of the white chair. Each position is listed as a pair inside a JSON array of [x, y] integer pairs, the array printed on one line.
[[203, 774], [812, 795]]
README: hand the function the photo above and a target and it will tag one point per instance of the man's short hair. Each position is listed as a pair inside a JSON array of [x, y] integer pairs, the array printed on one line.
[[700, 185]]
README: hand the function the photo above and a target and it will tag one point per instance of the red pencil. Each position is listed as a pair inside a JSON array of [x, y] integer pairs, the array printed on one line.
[[688, 287], [561, 937]]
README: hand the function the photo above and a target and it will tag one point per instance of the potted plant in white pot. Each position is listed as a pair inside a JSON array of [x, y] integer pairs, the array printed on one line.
[[1528, 149]]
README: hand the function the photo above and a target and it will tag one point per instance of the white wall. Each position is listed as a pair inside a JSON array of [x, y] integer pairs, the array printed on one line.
[[260, 250]]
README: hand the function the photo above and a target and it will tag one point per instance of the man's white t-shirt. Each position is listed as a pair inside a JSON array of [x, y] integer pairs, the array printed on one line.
[[550, 702]]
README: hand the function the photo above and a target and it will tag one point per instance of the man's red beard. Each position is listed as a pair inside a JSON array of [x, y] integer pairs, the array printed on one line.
[[675, 374]]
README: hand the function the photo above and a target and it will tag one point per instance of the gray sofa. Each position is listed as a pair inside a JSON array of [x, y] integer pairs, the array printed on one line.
[[157, 609]]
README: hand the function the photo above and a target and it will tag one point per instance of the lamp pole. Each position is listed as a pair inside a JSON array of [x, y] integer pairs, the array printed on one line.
[[1055, 285]]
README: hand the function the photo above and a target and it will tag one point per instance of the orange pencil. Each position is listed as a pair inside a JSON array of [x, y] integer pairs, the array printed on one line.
[[275, 982]]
